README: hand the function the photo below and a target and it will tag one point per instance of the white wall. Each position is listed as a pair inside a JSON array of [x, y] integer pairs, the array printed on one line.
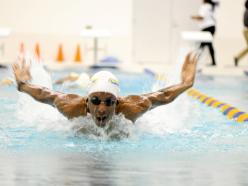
[[157, 28], [151, 30], [229, 35], [228, 40], [51, 22]]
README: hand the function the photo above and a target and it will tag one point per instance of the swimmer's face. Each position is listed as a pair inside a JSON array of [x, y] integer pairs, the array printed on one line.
[[101, 106]]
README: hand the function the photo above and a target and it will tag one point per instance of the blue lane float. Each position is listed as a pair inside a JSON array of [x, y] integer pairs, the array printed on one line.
[[228, 110]]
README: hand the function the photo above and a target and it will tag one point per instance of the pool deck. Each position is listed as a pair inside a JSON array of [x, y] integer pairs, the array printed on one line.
[[227, 70], [223, 70]]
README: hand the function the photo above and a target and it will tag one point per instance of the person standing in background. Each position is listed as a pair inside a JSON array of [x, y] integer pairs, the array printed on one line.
[[207, 23], [245, 51]]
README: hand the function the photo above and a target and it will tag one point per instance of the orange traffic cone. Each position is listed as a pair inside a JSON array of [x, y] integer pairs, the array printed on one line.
[[77, 57], [60, 55], [37, 50]]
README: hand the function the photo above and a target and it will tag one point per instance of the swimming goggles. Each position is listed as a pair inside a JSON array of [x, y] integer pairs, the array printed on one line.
[[108, 102]]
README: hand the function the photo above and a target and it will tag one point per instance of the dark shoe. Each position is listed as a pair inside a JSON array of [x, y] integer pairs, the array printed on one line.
[[236, 62]]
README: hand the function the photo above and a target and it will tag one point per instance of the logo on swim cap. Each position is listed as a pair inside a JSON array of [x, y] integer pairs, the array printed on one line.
[[104, 81], [111, 80], [114, 81]]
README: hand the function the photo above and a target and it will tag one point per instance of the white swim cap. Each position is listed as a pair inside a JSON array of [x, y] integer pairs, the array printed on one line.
[[104, 81], [74, 74], [83, 80]]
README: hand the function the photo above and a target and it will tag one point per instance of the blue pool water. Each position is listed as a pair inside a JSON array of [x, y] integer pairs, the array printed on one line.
[[183, 143]]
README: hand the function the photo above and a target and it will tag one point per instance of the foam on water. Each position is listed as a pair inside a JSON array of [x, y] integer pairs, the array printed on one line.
[[119, 127], [46, 117], [173, 117], [36, 114], [170, 118]]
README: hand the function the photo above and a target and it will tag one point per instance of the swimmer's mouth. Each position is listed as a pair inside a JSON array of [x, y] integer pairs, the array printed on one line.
[[101, 120]]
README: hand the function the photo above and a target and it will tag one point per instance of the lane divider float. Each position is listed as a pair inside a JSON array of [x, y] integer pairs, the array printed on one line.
[[228, 110]]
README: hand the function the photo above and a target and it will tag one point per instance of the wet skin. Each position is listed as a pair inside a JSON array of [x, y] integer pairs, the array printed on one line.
[[103, 112], [132, 106]]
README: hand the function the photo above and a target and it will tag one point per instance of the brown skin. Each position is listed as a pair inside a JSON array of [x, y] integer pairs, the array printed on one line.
[[132, 106], [101, 113], [68, 78]]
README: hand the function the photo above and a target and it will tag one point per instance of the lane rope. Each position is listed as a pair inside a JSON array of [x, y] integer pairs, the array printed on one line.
[[229, 111]]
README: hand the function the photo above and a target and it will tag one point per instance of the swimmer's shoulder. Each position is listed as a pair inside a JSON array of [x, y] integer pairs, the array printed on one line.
[[70, 98], [133, 106], [71, 105], [139, 100]]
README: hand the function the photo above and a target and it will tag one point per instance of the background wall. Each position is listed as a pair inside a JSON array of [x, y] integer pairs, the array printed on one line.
[[60, 21], [157, 28], [158, 24], [146, 31], [229, 38]]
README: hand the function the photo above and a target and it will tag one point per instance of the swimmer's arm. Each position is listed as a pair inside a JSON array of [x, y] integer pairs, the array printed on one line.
[[41, 94], [21, 69], [167, 95], [65, 79], [70, 105]]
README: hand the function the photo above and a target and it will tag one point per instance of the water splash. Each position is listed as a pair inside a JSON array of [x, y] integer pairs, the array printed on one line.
[[176, 116], [33, 113], [118, 128], [172, 118], [45, 117]]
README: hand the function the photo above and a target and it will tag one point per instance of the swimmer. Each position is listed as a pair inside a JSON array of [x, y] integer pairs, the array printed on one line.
[[69, 78], [103, 101], [75, 80]]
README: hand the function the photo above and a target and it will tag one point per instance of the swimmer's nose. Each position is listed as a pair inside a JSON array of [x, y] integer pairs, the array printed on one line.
[[101, 109]]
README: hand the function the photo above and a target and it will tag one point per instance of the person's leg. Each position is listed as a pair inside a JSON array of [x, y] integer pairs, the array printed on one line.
[[242, 54], [210, 45], [244, 51], [211, 50], [202, 45], [246, 35]]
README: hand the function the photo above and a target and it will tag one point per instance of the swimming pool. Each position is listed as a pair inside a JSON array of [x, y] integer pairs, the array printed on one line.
[[183, 143]]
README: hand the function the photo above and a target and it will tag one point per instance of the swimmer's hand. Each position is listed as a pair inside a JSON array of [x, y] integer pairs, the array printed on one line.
[[21, 71], [189, 69]]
